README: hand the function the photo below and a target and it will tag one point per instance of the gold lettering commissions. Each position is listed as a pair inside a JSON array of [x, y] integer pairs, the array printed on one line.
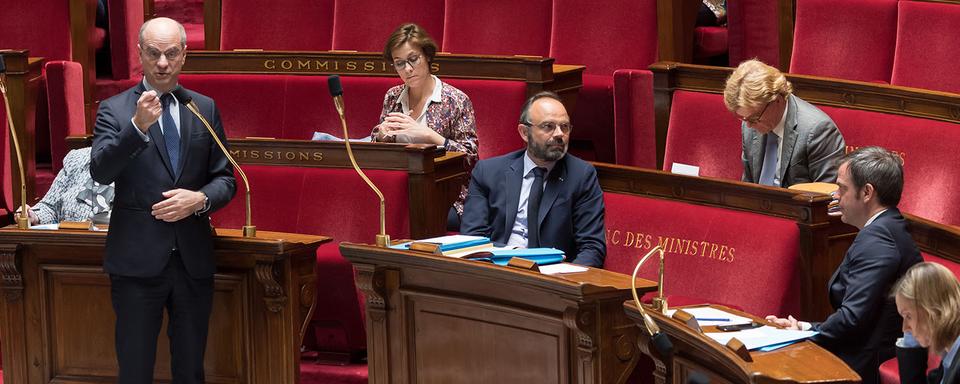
[[302, 157], [673, 245], [344, 66]]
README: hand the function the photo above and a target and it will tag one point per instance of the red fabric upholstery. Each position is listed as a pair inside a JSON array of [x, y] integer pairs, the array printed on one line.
[[43, 27], [634, 126], [294, 25], [920, 60], [711, 254], [709, 41], [497, 27], [313, 373], [616, 35], [195, 36], [126, 16], [65, 100], [593, 118], [703, 133], [331, 202], [928, 148], [849, 39], [496, 106], [753, 30], [364, 25]]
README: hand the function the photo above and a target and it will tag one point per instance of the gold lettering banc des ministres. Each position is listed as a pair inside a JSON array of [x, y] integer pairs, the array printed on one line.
[[332, 65], [672, 245], [302, 157]]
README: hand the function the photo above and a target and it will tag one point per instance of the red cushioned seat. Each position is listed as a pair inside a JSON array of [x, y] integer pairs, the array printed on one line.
[[849, 39], [928, 148], [753, 31], [305, 25], [703, 133], [755, 269], [709, 41], [924, 58], [625, 39], [64, 81], [497, 27], [365, 25], [634, 126]]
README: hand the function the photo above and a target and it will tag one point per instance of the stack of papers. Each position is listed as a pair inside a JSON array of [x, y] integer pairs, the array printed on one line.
[[765, 338], [711, 316]]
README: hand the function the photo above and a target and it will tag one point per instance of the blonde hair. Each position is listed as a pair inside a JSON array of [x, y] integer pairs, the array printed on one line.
[[753, 84], [935, 292]]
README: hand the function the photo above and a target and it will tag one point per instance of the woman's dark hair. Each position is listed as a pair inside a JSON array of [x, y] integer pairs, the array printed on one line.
[[413, 34]]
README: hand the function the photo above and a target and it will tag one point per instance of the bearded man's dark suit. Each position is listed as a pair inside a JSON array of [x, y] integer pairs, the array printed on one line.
[[142, 249], [865, 326]]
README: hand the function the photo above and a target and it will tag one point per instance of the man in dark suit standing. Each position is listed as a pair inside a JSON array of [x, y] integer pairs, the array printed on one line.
[[169, 175], [866, 324], [540, 196]]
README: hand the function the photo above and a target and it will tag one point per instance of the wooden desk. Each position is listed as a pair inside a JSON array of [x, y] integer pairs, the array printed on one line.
[[803, 362], [58, 323], [432, 319]]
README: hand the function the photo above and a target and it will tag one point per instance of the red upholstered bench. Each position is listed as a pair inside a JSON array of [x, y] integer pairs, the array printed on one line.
[[919, 61], [703, 133], [298, 25], [712, 256]]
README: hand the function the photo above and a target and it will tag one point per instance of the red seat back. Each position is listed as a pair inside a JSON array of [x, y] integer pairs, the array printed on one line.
[[305, 25], [711, 254], [497, 27], [66, 109], [848, 39], [616, 35], [753, 31], [634, 126], [928, 147], [43, 27], [703, 133], [924, 58], [126, 16], [365, 25], [496, 106]]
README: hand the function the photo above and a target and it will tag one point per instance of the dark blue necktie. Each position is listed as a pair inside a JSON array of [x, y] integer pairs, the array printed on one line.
[[768, 173], [170, 135], [533, 208]]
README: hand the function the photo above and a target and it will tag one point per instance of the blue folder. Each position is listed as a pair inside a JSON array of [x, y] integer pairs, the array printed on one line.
[[541, 256]]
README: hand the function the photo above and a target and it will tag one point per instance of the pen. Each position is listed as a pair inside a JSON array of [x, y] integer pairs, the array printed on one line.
[[712, 319]]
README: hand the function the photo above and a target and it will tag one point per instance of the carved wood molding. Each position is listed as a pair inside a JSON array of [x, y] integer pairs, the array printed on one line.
[[10, 269], [273, 294], [372, 283]]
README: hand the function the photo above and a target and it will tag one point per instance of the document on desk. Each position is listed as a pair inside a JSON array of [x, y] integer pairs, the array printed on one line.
[[711, 316], [762, 337], [559, 268]]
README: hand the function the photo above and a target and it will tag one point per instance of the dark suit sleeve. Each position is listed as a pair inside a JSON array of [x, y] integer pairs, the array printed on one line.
[[222, 185], [588, 223], [825, 147], [872, 269], [477, 205], [115, 141]]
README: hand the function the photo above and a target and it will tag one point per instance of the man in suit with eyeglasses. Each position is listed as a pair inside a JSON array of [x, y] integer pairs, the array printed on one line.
[[539, 196]]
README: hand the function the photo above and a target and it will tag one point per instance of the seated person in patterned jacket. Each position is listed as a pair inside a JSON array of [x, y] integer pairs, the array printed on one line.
[[74, 196]]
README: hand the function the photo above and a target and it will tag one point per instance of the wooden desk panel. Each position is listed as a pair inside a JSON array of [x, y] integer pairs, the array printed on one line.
[[433, 319], [58, 321]]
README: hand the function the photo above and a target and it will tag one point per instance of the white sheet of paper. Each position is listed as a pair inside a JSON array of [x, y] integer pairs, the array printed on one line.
[[685, 169], [761, 337], [46, 227], [558, 268], [707, 316]]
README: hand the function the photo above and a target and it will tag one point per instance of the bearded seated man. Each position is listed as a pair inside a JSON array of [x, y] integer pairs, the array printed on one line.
[[539, 196]]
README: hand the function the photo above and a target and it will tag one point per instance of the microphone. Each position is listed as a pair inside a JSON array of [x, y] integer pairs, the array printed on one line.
[[336, 91], [23, 222], [249, 230], [660, 340]]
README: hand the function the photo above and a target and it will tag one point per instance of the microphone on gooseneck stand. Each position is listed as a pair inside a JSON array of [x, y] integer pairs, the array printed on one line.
[[336, 91], [23, 222], [249, 230], [660, 340]]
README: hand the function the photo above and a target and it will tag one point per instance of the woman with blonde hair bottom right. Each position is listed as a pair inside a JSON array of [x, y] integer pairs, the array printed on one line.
[[928, 299]]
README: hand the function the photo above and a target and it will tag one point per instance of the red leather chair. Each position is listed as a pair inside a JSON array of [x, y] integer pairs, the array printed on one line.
[[304, 25], [617, 35], [497, 27], [65, 100], [634, 126], [849, 39], [365, 25], [923, 59]]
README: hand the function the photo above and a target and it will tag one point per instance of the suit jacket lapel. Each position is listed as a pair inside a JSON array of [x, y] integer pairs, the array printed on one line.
[[789, 137], [554, 183], [513, 177], [187, 122], [951, 375]]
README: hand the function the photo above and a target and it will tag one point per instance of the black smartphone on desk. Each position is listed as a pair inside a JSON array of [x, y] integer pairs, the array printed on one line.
[[739, 327]]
